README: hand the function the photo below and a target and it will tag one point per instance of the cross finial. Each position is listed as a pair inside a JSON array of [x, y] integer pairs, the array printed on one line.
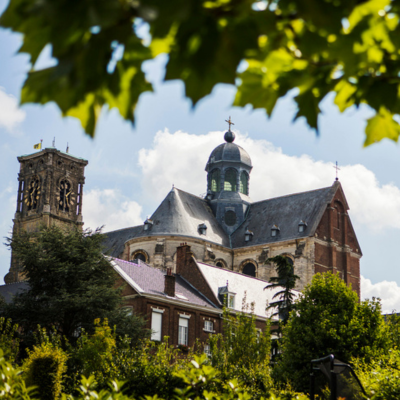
[[337, 169], [229, 122]]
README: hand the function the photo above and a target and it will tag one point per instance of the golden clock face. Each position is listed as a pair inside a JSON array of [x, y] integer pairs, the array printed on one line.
[[32, 194], [66, 198]]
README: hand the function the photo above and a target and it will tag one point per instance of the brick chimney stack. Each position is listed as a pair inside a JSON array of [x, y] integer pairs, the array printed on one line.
[[183, 258], [169, 283]]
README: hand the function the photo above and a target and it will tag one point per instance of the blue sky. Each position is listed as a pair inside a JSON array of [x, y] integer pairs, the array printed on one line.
[[131, 169]]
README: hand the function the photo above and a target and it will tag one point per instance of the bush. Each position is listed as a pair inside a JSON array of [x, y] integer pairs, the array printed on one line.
[[8, 340], [243, 352], [44, 369], [12, 386]]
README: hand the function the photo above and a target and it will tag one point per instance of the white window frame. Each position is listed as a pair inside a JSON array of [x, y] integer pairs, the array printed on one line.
[[207, 350], [231, 300], [183, 330], [156, 324], [208, 326]]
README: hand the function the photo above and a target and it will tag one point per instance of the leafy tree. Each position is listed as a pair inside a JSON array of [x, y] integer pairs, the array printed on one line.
[[242, 352], [71, 283], [345, 47], [328, 319], [286, 280]]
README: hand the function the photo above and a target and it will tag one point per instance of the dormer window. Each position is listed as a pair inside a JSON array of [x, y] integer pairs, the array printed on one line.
[[226, 297], [248, 235], [302, 226], [274, 231], [147, 224], [202, 229]]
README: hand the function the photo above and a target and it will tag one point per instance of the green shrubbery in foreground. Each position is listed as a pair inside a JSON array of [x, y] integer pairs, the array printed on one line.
[[100, 364]]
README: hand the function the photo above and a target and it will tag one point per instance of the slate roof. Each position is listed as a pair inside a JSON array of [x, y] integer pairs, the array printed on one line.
[[242, 285], [113, 243], [10, 290], [179, 214], [229, 152], [286, 212], [145, 279]]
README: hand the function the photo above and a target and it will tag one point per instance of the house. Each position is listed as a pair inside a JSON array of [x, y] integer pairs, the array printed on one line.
[[187, 305]]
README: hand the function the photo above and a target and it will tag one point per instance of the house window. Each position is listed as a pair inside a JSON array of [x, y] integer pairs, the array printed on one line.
[[231, 300], [183, 331], [156, 323], [209, 326], [207, 350], [127, 310]]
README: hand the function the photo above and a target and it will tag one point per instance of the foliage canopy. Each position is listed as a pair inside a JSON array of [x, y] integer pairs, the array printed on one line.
[[345, 47], [328, 319], [71, 283]]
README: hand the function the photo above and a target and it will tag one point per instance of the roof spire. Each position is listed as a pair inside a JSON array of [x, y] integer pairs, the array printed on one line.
[[229, 135], [337, 169], [229, 122]]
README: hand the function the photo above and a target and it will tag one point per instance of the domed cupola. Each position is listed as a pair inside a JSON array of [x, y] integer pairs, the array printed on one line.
[[228, 168]]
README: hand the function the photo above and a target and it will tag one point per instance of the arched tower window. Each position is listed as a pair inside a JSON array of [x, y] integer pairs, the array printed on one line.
[[230, 180], [65, 196], [215, 180], [249, 269], [244, 180]]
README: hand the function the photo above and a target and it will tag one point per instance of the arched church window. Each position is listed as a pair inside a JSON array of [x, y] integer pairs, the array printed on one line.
[[33, 194], [249, 269], [139, 255], [244, 180], [65, 195], [215, 180], [230, 180]]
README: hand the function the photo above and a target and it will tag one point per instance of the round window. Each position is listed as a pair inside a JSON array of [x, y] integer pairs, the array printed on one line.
[[230, 218]]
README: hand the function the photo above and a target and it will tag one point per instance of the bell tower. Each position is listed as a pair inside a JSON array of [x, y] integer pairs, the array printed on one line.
[[228, 174], [50, 192]]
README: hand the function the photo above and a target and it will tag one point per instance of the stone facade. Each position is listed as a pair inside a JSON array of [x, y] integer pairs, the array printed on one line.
[[50, 192]]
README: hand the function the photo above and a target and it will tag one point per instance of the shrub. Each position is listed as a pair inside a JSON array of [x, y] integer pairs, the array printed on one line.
[[12, 386], [8, 340], [44, 369]]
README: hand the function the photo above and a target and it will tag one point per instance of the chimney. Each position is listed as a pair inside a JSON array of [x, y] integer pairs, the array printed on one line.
[[183, 257], [169, 283]]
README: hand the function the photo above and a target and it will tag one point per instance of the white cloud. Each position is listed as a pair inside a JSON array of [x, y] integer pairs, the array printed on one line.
[[110, 208], [388, 292], [180, 158], [10, 114]]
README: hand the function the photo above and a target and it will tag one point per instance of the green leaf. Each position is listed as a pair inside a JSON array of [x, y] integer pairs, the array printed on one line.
[[308, 105], [88, 112], [381, 126]]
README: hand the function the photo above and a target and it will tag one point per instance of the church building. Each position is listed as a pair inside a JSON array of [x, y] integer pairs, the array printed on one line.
[[225, 229]]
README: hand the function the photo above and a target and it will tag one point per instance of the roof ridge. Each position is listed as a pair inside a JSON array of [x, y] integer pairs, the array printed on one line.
[[191, 194], [293, 194], [122, 229], [197, 290]]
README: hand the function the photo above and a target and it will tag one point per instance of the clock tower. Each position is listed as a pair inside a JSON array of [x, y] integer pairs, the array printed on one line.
[[50, 192]]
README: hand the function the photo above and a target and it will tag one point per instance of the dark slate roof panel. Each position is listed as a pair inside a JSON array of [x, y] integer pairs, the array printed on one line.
[[114, 241], [10, 290], [229, 152], [179, 214], [286, 212], [150, 280]]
